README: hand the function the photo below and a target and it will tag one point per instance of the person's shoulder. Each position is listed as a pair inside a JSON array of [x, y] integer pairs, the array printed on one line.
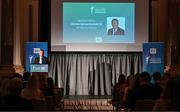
[[46, 58], [120, 29], [110, 29], [37, 57]]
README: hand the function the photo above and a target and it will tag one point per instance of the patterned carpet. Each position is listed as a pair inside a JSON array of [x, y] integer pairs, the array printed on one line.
[[86, 103]]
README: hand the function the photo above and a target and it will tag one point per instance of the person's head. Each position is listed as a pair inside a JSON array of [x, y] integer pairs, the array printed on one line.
[[144, 78], [137, 80], [131, 81], [167, 76], [50, 82], [26, 76], [33, 82], [17, 75], [41, 52], [121, 79], [115, 23], [15, 86], [156, 76]]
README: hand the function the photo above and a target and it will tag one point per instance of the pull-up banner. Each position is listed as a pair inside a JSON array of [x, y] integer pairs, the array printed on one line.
[[153, 57]]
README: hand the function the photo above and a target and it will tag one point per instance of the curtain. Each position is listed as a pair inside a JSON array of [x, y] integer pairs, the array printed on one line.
[[91, 73]]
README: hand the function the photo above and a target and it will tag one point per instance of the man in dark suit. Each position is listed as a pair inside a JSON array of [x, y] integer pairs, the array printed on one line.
[[41, 59], [115, 30]]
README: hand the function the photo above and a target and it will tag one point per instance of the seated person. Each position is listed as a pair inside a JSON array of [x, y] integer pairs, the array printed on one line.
[[157, 85], [170, 97], [49, 89], [13, 101], [118, 92], [32, 90], [144, 91], [41, 59]]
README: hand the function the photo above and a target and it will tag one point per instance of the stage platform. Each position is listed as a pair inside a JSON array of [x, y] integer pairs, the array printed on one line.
[[87, 103]]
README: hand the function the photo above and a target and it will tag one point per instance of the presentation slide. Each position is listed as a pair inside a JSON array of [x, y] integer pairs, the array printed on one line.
[[98, 22], [99, 25]]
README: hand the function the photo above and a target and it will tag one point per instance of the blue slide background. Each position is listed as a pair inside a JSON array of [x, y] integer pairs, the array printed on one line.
[[89, 22], [153, 57]]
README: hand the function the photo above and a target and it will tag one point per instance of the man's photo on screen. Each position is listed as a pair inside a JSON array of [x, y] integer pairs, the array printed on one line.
[[41, 59], [115, 28]]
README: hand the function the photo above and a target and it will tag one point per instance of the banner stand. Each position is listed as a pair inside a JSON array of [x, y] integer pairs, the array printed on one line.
[[153, 57]]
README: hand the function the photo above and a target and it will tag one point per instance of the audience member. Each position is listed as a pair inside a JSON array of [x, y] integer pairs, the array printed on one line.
[[129, 85], [157, 85], [18, 76], [4, 86], [14, 101], [144, 91], [170, 98], [133, 84], [127, 82], [49, 89], [26, 76], [118, 92], [164, 79], [137, 81], [32, 91]]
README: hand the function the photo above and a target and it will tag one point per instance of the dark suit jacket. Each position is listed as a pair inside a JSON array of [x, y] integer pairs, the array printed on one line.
[[118, 32], [44, 61]]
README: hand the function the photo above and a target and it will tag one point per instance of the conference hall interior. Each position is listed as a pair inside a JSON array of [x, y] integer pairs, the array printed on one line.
[[90, 55]]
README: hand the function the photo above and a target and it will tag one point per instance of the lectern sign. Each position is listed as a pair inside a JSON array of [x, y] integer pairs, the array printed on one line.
[[39, 68]]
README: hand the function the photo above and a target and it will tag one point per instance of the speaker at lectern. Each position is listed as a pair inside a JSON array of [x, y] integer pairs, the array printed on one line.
[[37, 57]]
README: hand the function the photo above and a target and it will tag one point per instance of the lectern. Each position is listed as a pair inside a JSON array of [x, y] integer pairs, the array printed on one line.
[[41, 71]]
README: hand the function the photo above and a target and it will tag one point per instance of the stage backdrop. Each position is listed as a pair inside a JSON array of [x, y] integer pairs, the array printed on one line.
[[32, 51], [91, 73], [153, 57]]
